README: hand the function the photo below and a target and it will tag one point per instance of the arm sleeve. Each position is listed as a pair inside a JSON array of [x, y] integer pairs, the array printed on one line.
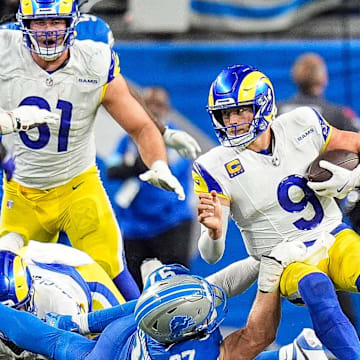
[[98, 320], [32, 334], [212, 250], [237, 277]]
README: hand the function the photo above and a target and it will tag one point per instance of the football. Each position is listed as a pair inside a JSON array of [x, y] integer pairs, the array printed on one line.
[[343, 158]]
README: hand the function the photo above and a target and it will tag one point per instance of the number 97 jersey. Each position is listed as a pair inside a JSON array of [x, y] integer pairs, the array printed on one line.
[[268, 192], [51, 155]]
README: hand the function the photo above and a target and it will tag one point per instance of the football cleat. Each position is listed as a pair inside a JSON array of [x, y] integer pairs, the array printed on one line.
[[306, 346]]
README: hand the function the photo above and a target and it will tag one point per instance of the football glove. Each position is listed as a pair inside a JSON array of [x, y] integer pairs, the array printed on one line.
[[182, 142], [272, 265], [160, 175], [64, 322], [340, 184], [24, 118]]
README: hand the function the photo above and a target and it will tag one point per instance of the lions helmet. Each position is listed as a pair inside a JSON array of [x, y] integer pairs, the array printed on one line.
[[236, 86], [180, 307], [48, 9], [165, 272], [16, 288]]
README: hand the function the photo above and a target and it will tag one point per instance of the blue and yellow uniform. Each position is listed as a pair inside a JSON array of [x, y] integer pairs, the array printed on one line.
[[56, 179]]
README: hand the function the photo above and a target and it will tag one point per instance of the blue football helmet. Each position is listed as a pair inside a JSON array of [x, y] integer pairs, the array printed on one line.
[[165, 272], [180, 307], [236, 86], [16, 288], [48, 9]]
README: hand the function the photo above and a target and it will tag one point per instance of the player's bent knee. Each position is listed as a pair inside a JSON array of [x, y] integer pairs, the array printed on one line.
[[316, 289]]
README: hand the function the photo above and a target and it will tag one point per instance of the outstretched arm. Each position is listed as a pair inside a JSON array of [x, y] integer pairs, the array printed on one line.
[[94, 322], [130, 115], [259, 332], [264, 317], [32, 334]]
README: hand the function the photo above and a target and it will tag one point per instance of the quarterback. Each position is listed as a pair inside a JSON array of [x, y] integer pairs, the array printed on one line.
[[56, 185], [257, 176], [176, 317]]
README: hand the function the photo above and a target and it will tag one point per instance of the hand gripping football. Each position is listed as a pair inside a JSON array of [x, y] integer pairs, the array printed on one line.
[[343, 158]]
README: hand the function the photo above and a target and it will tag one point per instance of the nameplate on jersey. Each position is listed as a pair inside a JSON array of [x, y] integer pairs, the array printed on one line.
[[305, 135], [234, 168], [88, 81]]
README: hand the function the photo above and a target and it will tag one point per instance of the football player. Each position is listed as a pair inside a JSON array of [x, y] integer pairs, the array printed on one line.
[[91, 27], [177, 317], [42, 278], [257, 176], [56, 182]]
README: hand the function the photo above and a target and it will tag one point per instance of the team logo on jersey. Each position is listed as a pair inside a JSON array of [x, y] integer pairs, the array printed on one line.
[[234, 168], [305, 135], [179, 324]]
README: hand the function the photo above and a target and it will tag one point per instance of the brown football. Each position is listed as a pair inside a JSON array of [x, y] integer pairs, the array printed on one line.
[[343, 158]]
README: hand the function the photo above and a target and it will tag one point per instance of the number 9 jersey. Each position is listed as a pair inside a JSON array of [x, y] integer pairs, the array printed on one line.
[[49, 156], [264, 188]]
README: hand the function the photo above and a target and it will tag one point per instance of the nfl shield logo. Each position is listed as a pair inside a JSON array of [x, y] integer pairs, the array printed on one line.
[[10, 204]]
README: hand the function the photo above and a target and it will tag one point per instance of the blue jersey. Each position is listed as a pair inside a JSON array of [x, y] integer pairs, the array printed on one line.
[[121, 340], [142, 347], [89, 27]]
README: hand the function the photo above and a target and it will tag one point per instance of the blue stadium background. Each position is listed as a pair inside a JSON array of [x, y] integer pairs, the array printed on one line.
[[187, 69]]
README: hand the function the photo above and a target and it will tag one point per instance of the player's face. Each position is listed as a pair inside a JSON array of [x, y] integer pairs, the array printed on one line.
[[44, 28], [241, 115]]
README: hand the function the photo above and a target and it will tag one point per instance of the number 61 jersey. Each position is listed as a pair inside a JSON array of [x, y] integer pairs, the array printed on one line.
[[270, 200], [51, 155]]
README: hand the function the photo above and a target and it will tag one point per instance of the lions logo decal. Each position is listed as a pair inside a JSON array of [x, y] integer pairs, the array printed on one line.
[[179, 324]]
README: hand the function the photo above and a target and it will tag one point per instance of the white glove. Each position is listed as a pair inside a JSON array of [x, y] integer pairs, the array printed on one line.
[[341, 182], [160, 175], [272, 265], [24, 118], [182, 142]]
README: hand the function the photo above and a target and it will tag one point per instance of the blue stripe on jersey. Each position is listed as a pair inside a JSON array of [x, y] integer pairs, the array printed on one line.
[[114, 66], [339, 228], [325, 128], [99, 288], [211, 183], [73, 273]]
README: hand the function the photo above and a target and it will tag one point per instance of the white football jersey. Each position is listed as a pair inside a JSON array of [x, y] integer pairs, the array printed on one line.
[[55, 291], [58, 291], [270, 201], [48, 156]]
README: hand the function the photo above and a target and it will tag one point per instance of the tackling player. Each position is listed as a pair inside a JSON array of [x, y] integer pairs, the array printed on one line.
[[56, 182], [177, 317], [258, 177]]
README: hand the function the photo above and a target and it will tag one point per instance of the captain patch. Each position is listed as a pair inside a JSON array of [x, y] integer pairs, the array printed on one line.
[[234, 168]]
